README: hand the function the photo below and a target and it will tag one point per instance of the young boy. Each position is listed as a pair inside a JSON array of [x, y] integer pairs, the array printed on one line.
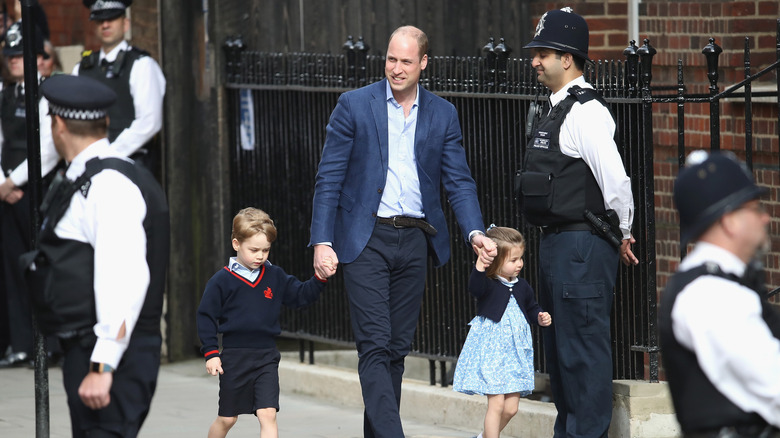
[[242, 302]]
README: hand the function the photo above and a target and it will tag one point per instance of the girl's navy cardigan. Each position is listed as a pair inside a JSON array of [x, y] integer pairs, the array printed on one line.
[[493, 297]]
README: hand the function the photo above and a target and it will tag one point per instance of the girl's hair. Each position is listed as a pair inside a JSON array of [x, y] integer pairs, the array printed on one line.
[[506, 239], [251, 221]]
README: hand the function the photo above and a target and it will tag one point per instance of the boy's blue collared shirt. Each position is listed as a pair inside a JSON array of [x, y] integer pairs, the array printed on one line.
[[242, 270]]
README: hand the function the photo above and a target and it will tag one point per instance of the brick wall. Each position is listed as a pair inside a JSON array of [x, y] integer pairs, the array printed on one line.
[[69, 24], [681, 30]]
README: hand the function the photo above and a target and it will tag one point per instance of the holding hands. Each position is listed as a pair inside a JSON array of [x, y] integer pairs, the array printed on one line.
[[485, 248], [545, 319], [214, 366], [329, 265], [325, 261]]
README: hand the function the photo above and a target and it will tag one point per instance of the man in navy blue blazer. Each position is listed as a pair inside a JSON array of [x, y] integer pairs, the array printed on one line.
[[390, 148]]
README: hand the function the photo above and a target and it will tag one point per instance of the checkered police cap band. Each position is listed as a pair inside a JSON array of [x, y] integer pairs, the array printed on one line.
[[77, 114], [101, 5], [77, 97]]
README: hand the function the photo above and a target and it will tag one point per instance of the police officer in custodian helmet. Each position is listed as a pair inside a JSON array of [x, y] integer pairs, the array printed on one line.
[[572, 178], [720, 337]]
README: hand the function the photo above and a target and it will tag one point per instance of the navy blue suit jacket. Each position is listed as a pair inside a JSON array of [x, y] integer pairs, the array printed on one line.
[[353, 171]]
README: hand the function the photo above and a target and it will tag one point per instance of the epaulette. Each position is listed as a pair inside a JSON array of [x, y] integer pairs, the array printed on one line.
[[138, 51], [84, 188], [584, 95]]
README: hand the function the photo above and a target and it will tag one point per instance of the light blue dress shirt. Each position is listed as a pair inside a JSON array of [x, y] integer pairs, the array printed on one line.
[[243, 271], [401, 195]]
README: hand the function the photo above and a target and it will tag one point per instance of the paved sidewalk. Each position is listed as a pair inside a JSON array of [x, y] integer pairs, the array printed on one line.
[[185, 404]]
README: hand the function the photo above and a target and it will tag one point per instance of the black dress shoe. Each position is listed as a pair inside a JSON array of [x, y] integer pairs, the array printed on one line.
[[14, 360]]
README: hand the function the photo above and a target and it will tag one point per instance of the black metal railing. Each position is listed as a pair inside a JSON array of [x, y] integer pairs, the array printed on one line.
[[714, 98], [292, 96]]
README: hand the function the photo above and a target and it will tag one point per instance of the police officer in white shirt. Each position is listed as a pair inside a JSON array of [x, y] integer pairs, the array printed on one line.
[[16, 223], [572, 167], [136, 78], [719, 335], [98, 274]]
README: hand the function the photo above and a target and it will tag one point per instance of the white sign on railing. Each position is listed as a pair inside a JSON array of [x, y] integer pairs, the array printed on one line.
[[247, 125]]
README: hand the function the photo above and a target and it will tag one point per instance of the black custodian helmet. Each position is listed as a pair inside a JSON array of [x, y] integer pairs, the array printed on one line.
[[13, 43], [563, 30], [710, 186]]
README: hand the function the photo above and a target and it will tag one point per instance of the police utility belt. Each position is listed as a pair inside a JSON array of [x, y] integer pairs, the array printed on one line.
[[606, 226]]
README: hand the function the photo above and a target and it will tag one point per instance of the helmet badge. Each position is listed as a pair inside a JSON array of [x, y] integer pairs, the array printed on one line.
[[540, 25]]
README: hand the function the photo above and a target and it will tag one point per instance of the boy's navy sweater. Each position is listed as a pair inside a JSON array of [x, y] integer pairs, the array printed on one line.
[[247, 313], [493, 297]]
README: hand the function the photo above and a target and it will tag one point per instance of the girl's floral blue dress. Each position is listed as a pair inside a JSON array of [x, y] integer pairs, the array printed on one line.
[[497, 357]]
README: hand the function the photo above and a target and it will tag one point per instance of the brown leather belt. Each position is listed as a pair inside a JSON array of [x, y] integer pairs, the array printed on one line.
[[408, 222]]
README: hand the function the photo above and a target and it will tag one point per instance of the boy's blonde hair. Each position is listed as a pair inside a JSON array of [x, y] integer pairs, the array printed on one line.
[[505, 239], [251, 221]]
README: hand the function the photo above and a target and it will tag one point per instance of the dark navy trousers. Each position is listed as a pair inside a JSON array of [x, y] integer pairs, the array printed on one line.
[[385, 286], [134, 382], [16, 232], [578, 271]]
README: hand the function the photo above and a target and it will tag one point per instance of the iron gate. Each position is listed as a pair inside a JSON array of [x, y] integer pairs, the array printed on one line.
[[284, 100]]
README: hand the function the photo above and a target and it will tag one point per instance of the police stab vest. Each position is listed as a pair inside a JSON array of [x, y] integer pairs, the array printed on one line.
[[117, 76], [13, 119], [699, 405], [554, 188], [61, 271]]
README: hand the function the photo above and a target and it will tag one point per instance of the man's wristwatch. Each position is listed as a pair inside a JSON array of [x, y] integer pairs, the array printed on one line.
[[99, 367]]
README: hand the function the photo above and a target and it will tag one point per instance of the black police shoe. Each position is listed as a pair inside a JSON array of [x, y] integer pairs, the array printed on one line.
[[14, 360]]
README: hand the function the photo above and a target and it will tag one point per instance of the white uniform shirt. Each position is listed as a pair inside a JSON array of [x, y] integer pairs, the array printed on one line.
[[147, 86], [588, 133], [49, 156], [721, 322], [110, 219]]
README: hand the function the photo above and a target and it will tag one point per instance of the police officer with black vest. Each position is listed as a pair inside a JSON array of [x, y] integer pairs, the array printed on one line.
[[15, 222], [720, 336], [136, 117], [98, 275], [574, 187]]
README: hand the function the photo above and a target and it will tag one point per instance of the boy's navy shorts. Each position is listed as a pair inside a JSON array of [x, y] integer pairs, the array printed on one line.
[[250, 381]]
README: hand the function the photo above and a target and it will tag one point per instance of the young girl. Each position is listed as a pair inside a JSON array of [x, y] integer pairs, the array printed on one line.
[[497, 359]]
